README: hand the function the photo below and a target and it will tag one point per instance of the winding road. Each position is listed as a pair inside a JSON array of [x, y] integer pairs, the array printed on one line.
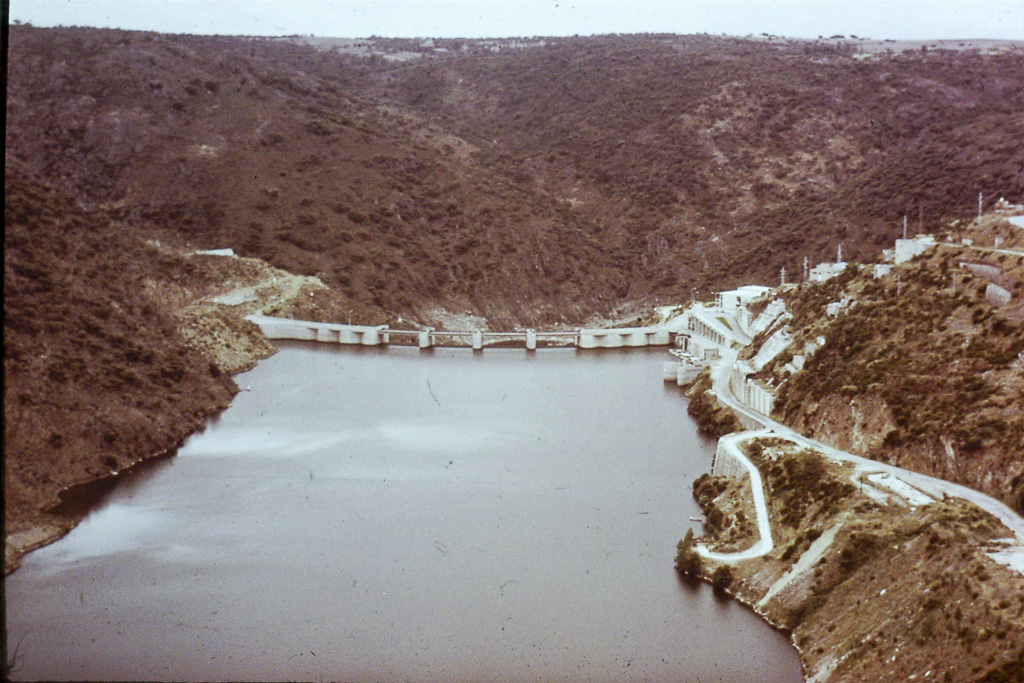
[[765, 544], [937, 488]]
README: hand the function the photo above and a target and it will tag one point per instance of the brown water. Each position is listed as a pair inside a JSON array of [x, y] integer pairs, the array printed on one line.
[[390, 515]]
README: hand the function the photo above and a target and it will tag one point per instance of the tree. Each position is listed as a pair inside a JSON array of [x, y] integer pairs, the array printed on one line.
[[721, 578], [688, 562]]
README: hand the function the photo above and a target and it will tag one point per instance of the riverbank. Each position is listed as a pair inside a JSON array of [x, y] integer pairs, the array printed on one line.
[[873, 579], [94, 390]]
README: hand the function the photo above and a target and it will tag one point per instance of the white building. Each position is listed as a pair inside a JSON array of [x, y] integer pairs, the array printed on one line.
[[826, 271], [733, 299], [908, 249]]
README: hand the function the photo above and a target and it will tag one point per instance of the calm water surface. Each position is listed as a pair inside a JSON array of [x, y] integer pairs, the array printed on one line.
[[396, 515]]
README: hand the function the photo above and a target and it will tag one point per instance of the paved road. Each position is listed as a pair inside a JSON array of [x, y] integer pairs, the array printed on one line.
[[986, 250], [764, 527], [931, 485]]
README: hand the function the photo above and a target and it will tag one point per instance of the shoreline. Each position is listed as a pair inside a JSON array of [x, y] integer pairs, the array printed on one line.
[[849, 555], [66, 515]]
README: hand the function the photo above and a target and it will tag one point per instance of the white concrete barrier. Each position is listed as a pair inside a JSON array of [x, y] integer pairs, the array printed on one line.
[[618, 337], [670, 370], [302, 330]]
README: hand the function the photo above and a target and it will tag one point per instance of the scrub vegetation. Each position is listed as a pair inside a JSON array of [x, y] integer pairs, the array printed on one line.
[[527, 181], [920, 369], [536, 183], [894, 590], [712, 418]]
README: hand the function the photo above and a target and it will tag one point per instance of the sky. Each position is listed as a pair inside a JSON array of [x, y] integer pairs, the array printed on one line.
[[885, 19]]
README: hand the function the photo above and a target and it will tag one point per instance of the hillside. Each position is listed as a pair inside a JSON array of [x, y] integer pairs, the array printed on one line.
[[872, 586], [271, 149], [702, 153], [529, 181], [115, 348], [921, 367], [96, 372], [542, 182]]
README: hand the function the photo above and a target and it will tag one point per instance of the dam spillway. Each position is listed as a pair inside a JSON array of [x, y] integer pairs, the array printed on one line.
[[376, 335]]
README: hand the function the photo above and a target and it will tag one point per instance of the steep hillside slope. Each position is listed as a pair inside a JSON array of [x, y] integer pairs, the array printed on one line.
[[918, 368], [872, 587], [700, 152], [531, 181], [270, 149], [96, 374]]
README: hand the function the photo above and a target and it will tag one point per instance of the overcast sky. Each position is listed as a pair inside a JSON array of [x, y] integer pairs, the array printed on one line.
[[924, 20]]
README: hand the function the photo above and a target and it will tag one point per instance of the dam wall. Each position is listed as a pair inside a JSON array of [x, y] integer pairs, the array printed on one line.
[[301, 330], [623, 337]]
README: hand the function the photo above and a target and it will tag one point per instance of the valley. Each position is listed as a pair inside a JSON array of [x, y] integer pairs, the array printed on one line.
[[551, 184]]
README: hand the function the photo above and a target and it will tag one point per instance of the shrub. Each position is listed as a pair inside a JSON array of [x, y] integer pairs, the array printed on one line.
[[688, 562], [721, 578]]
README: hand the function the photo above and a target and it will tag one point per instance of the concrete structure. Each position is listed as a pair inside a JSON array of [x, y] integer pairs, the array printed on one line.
[[619, 337], [216, 252], [683, 370], [833, 308], [796, 365], [703, 331], [1017, 221], [880, 270], [908, 249], [997, 296], [826, 271], [750, 393], [732, 300], [284, 328], [771, 348], [767, 317]]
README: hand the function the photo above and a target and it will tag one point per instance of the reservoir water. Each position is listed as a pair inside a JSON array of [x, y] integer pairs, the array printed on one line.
[[394, 515]]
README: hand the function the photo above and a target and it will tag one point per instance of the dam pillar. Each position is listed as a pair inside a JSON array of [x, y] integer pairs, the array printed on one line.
[[636, 338], [427, 338], [670, 371], [371, 336], [531, 340], [478, 340]]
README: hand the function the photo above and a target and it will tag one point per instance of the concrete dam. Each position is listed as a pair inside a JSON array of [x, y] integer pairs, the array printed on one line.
[[376, 335]]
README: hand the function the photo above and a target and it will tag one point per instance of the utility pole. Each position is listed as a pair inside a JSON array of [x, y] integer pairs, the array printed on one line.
[[806, 272], [979, 207], [904, 226], [839, 253], [782, 276]]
